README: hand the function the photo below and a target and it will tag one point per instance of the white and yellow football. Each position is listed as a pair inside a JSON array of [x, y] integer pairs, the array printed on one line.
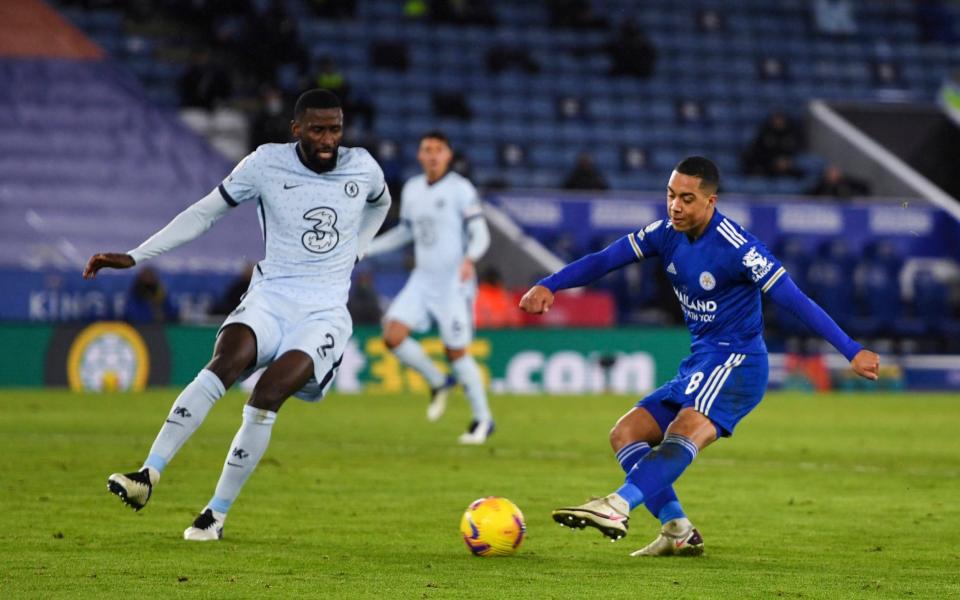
[[492, 526]]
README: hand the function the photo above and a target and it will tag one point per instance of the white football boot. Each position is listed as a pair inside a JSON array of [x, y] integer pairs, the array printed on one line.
[[134, 489], [677, 538], [610, 515], [206, 528], [477, 433], [438, 399]]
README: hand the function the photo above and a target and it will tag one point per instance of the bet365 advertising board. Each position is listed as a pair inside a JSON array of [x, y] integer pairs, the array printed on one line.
[[117, 356]]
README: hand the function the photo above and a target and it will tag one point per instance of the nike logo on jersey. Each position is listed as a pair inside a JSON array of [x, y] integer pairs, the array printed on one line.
[[671, 269], [287, 186]]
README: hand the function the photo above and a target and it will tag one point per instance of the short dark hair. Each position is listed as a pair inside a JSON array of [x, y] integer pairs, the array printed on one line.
[[436, 134], [698, 166], [315, 98]]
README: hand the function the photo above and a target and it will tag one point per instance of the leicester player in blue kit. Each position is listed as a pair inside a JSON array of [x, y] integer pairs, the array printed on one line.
[[718, 271]]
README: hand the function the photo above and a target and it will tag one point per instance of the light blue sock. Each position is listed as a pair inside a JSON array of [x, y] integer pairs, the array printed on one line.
[[469, 376], [186, 414], [410, 353], [664, 505], [245, 452], [658, 469]]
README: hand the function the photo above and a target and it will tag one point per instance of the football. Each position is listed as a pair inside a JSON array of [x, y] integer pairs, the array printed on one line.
[[492, 526]]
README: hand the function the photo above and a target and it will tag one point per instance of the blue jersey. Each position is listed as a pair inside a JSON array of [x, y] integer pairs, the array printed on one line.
[[718, 279]]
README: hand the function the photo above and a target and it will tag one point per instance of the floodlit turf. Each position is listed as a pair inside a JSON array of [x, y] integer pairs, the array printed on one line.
[[826, 496]]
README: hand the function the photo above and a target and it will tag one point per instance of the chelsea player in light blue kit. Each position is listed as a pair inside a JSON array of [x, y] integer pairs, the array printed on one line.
[[718, 271], [440, 213], [319, 205]]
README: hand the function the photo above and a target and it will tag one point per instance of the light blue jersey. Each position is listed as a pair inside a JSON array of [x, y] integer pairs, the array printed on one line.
[[718, 279], [436, 214], [310, 221]]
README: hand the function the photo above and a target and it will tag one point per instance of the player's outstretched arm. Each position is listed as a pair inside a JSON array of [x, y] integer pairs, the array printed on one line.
[[591, 267], [111, 260], [788, 296], [186, 226], [391, 240]]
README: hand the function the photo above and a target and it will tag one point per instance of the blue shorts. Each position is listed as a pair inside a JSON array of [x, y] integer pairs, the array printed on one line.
[[724, 387]]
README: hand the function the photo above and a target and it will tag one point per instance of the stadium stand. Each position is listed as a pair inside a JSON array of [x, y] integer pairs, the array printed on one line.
[[707, 96], [525, 123]]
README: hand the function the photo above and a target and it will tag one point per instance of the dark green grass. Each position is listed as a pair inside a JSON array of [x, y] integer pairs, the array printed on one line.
[[824, 496]]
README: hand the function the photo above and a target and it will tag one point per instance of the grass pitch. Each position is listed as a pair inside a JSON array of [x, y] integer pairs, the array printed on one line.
[[817, 496]]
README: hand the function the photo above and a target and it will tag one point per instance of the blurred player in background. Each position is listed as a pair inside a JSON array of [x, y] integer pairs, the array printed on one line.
[[718, 271], [320, 206], [440, 213]]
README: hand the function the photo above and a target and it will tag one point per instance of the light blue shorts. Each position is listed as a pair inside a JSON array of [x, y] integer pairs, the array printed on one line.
[[281, 325], [418, 307]]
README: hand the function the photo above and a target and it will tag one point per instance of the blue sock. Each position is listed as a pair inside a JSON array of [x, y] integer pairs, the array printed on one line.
[[631, 454], [664, 505], [658, 469]]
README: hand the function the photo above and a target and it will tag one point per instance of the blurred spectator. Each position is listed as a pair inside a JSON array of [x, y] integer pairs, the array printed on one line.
[[570, 108], [205, 83], [834, 17], [462, 12], [631, 52], [887, 74], [709, 20], [772, 69], [576, 14], [333, 9], [451, 104], [585, 175], [512, 154], [461, 164], [147, 301], [388, 156], [502, 58], [271, 124], [234, 294], [364, 303], [495, 306], [390, 55], [834, 182], [935, 21], [355, 104], [773, 149], [415, 9]]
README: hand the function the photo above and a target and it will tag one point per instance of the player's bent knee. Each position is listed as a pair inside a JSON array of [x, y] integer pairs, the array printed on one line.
[[694, 425], [228, 368], [638, 425], [394, 334], [268, 397], [455, 353]]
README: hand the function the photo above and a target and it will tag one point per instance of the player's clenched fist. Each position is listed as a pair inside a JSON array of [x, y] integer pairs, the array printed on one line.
[[110, 259], [866, 364], [537, 300]]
